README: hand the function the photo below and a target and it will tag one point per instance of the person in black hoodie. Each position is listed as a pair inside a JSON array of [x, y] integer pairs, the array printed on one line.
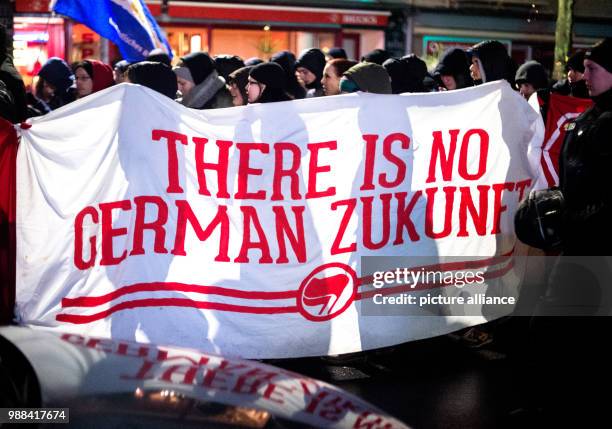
[[227, 64], [377, 56], [155, 75], [55, 86], [453, 70], [286, 60], [200, 84], [266, 84], [16, 111], [407, 73], [574, 85], [309, 69], [490, 61]]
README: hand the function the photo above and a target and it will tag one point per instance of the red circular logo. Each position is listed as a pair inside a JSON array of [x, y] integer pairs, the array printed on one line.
[[327, 292]]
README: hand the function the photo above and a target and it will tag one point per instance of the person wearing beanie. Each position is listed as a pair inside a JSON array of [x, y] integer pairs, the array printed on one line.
[[332, 73], [92, 76], [266, 84], [119, 71], [531, 77], [377, 56], [573, 85], [366, 77], [155, 75], [453, 70], [226, 64], [576, 346], [490, 61], [199, 82], [237, 82], [407, 73], [309, 70], [336, 53], [158, 55], [55, 86], [286, 60]]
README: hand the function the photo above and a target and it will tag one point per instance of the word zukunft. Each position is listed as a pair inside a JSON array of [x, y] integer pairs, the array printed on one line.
[[300, 212]]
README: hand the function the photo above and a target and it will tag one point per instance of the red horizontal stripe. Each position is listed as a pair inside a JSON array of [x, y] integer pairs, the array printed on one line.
[[170, 302], [92, 301], [426, 286]]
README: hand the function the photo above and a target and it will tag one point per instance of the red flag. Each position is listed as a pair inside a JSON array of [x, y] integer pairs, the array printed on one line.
[[8, 199], [561, 110]]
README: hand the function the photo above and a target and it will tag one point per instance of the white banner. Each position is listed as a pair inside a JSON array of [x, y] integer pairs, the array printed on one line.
[[240, 231]]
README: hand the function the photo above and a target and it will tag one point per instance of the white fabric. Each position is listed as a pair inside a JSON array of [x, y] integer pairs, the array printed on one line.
[[102, 149]]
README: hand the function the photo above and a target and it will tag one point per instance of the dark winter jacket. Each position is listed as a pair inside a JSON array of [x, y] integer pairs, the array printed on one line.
[[13, 84], [584, 167]]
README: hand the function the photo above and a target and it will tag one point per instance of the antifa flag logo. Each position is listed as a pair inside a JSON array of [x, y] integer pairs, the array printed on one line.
[[327, 292]]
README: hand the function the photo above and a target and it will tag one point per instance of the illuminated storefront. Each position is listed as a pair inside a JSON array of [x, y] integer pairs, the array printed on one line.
[[251, 30]]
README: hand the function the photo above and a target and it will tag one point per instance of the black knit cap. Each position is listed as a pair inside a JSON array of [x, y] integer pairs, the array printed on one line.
[[534, 73], [601, 53], [200, 65], [270, 74], [314, 60], [336, 52], [576, 62]]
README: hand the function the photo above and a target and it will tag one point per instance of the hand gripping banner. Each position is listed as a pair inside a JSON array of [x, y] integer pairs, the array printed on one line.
[[241, 231]]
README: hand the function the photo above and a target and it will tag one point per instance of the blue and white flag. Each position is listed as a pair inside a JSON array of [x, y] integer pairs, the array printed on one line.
[[127, 23]]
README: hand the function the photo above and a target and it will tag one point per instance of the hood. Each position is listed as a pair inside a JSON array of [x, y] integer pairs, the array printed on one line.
[[58, 73], [495, 61], [102, 75], [200, 65], [155, 75], [455, 62], [406, 74]]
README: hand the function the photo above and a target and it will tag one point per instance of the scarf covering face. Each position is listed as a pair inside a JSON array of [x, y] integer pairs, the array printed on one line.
[[204, 91]]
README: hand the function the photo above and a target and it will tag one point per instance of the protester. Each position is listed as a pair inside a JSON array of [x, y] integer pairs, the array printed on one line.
[[574, 84], [92, 76], [13, 89], [237, 82], [200, 84], [309, 70], [332, 73], [377, 56], [155, 75], [266, 84], [453, 70], [158, 55], [569, 352], [531, 77], [119, 71], [55, 86], [286, 60], [407, 74], [226, 64], [336, 53], [366, 77], [490, 61]]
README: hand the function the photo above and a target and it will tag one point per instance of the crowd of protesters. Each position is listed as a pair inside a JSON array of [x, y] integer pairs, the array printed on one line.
[[200, 81]]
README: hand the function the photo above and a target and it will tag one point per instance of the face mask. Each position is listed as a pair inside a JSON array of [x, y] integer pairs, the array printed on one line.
[[347, 85]]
